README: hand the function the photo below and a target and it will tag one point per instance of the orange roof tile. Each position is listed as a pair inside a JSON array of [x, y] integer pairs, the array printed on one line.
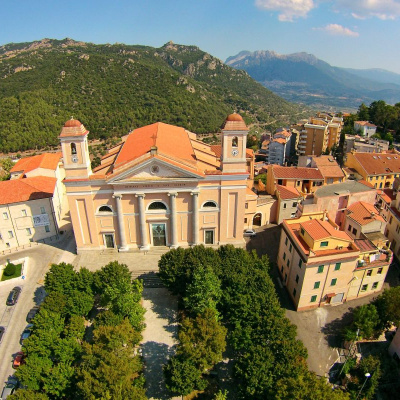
[[319, 230], [287, 192], [296, 173], [45, 160], [363, 213], [379, 163], [168, 139], [387, 195], [19, 190], [365, 123], [328, 166]]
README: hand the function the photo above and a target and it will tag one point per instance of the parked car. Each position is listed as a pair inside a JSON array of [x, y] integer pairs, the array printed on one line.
[[18, 359], [32, 313], [2, 331], [10, 388], [249, 233], [13, 296], [26, 333]]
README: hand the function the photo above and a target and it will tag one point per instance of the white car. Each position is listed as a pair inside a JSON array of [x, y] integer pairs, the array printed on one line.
[[249, 232]]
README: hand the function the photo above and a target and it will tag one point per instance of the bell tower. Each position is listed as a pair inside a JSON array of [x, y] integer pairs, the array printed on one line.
[[75, 150], [234, 139]]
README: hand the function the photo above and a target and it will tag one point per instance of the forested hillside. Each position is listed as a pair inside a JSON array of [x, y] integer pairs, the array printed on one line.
[[114, 88]]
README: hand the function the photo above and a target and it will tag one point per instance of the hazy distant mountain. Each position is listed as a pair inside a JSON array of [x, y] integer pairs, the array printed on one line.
[[303, 78]]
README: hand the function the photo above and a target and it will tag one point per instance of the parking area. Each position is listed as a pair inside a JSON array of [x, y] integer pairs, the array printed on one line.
[[13, 318]]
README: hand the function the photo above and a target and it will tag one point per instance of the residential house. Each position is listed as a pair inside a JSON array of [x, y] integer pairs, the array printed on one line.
[[365, 128], [365, 145], [327, 165]]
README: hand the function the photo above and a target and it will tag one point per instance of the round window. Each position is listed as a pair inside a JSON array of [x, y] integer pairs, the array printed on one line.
[[154, 169]]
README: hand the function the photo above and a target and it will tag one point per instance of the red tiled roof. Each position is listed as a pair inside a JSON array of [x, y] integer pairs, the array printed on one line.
[[365, 123], [387, 195], [366, 183], [287, 192], [296, 173], [328, 166], [45, 160], [364, 245], [19, 190], [319, 230], [363, 213], [168, 139], [379, 163]]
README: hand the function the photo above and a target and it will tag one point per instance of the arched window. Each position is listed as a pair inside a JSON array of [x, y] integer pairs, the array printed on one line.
[[210, 204], [235, 141], [73, 148], [157, 205], [105, 209]]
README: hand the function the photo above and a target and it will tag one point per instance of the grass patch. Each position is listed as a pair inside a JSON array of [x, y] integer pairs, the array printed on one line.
[[16, 274]]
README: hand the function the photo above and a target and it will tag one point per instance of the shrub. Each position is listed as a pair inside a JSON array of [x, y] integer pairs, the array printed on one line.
[[9, 270]]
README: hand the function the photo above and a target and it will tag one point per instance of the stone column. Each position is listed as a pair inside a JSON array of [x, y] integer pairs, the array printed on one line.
[[173, 219], [195, 218], [121, 225], [142, 222]]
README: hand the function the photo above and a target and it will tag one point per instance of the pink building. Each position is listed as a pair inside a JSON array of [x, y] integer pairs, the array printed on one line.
[[160, 187]]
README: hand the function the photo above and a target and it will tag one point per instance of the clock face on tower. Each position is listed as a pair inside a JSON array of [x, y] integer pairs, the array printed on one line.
[[235, 152]]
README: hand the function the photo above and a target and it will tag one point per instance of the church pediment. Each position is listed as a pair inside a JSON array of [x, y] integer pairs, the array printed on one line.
[[152, 170]]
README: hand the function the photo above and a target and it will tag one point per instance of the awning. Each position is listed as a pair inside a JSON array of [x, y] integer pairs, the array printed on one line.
[[331, 295]]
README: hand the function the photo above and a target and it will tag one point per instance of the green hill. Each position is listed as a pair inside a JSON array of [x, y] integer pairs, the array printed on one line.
[[114, 88]]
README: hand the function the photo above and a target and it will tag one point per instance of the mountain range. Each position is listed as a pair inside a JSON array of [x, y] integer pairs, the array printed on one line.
[[303, 78], [113, 88]]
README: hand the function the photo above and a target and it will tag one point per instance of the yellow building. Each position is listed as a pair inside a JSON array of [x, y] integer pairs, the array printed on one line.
[[321, 265], [380, 170], [160, 187]]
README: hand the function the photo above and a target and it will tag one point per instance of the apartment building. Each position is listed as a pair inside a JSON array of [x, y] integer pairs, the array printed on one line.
[[365, 145], [319, 134], [378, 169], [322, 265]]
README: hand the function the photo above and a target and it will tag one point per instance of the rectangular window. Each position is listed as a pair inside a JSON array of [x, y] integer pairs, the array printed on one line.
[[288, 262], [337, 266], [329, 181], [282, 269], [369, 272], [354, 231], [313, 299], [285, 277], [364, 288], [42, 210], [5, 215], [10, 234], [390, 220], [47, 228], [286, 241], [316, 285], [294, 204], [349, 228], [380, 270], [246, 205], [294, 292], [290, 247], [324, 244], [302, 231], [208, 236], [245, 220], [333, 281], [374, 285], [23, 213], [280, 181], [300, 263], [297, 279], [398, 229], [320, 269], [284, 256], [28, 231], [298, 183], [284, 205]]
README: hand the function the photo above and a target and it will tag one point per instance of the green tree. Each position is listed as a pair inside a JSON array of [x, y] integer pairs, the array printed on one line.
[[60, 278], [182, 376], [27, 394], [363, 112], [366, 319], [203, 292], [202, 339], [388, 307]]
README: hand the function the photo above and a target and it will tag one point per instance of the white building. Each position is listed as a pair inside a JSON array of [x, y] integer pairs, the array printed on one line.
[[365, 128]]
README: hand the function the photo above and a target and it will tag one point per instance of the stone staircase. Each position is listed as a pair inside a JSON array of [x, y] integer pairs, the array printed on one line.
[[150, 279]]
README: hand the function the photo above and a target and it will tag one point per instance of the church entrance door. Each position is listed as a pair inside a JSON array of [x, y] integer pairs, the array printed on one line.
[[159, 234]]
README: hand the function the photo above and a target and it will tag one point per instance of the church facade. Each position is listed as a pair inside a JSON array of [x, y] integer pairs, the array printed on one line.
[[159, 187]]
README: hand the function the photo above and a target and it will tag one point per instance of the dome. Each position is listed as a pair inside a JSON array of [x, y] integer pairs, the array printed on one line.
[[234, 117], [72, 123]]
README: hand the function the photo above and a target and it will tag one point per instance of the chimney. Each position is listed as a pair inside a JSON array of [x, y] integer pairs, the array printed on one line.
[[153, 150]]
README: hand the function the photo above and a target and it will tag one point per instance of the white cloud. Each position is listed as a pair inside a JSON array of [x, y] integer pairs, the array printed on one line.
[[288, 9], [361, 9], [338, 30]]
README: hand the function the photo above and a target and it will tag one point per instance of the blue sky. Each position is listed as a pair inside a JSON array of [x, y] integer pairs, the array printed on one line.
[[345, 33]]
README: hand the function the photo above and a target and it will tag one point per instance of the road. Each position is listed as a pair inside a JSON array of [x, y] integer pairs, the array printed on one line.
[[14, 318]]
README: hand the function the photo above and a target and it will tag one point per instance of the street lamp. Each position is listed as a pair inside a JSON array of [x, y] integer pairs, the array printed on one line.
[[367, 375]]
